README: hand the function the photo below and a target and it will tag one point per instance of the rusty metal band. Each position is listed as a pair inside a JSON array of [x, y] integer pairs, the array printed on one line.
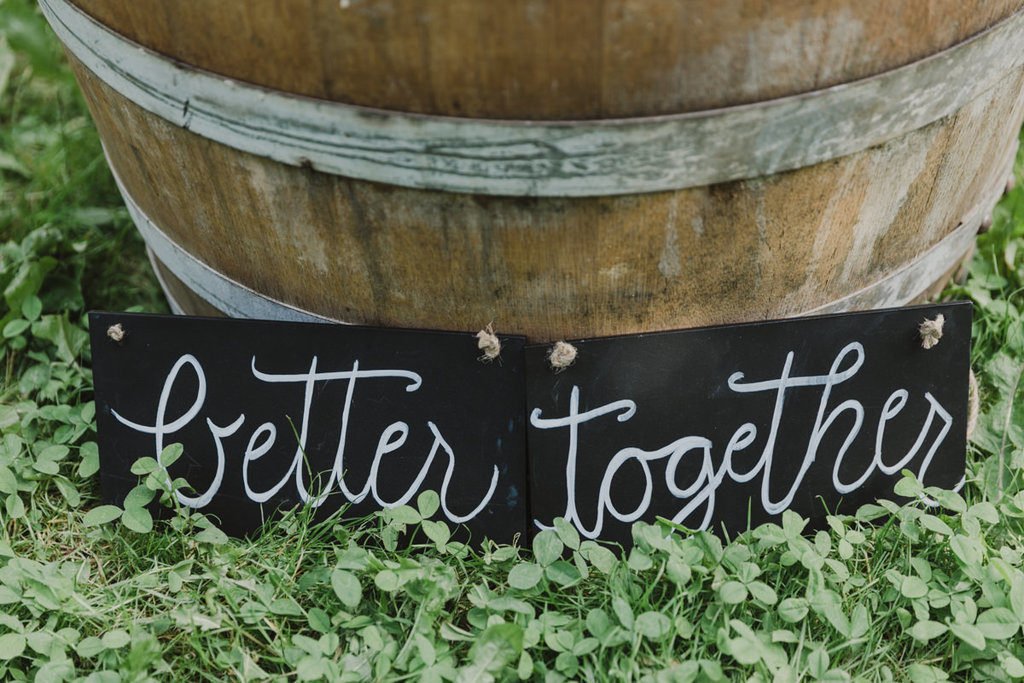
[[172, 301], [235, 299], [545, 158], [220, 291]]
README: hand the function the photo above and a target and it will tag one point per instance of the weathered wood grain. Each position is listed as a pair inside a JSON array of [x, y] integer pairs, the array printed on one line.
[[369, 253], [548, 59], [875, 224], [210, 290], [530, 158]]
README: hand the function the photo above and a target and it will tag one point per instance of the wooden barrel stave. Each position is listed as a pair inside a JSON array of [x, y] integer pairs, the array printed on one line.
[[549, 59], [364, 252], [871, 225]]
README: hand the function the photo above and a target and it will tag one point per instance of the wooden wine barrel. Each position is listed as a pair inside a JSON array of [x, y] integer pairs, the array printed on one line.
[[562, 168]]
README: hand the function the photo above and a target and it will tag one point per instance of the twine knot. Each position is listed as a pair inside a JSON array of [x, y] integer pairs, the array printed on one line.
[[931, 331], [488, 342], [562, 355], [116, 332]]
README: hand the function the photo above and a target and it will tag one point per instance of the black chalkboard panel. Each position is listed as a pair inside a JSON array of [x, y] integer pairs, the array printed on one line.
[[422, 412], [725, 427]]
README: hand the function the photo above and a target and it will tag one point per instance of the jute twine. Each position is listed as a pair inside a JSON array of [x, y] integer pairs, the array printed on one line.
[[931, 331], [561, 355], [488, 342], [973, 403], [116, 332]]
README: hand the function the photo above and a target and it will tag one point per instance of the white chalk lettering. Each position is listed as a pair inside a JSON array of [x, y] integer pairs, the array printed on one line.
[[698, 494], [263, 439]]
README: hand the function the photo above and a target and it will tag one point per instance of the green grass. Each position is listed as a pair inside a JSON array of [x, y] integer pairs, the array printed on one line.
[[91, 592]]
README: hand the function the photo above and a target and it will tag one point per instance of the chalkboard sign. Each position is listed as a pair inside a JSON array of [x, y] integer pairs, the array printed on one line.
[[273, 415], [718, 428], [724, 428]]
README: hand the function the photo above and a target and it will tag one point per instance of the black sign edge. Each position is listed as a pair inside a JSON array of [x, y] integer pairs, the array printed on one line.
[[960, 303], [94, 314]]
